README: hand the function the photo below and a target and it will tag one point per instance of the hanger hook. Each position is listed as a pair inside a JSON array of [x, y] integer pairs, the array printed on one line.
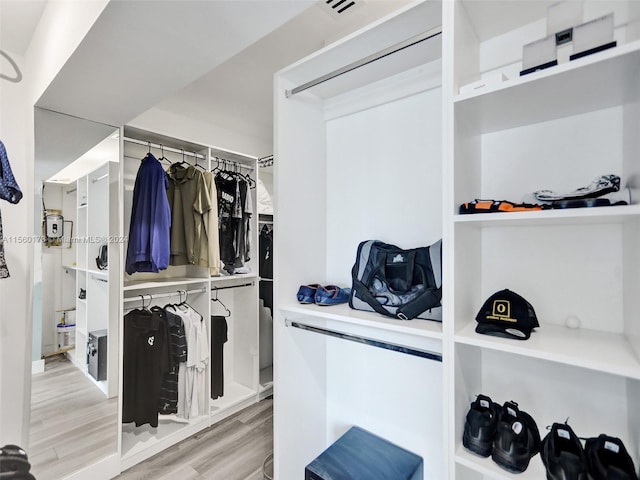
[[150, 300], [142, 298], [149, 144]]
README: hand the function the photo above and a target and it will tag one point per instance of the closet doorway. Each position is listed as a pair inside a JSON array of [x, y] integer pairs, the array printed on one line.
[[74, 404]]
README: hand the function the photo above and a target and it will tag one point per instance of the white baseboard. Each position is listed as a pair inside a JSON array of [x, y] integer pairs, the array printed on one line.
[[37, 366]]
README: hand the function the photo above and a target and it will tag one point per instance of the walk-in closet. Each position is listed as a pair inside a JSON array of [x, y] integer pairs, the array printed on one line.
[[243, 152]]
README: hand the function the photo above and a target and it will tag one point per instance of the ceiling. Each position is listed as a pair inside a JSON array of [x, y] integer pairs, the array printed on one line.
[[204, 64], [240, 90]]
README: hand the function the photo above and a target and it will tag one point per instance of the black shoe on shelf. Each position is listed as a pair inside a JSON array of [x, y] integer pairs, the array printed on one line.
[[608, 459], [517, 439], [563, 455], [480, 426]]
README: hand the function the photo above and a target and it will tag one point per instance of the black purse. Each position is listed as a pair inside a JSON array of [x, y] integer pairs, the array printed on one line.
[[396, 282], [9, 189]]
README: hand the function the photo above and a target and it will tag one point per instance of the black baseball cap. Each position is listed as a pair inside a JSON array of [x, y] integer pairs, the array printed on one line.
[[506, 314]]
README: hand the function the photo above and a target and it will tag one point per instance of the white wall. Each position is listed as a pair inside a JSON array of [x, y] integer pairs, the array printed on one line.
[[15, 325], [61, 28], [244, 140]]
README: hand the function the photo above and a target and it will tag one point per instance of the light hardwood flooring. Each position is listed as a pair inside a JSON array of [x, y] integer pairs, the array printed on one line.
[[233, 449], [72, 422]]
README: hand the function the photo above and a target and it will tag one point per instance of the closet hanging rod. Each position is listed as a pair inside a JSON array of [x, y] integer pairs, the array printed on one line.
[[232, 162], [168, 149], [71, 191], [95, 180], [152, 296], [368, 341], [250, 284], [367, 60]]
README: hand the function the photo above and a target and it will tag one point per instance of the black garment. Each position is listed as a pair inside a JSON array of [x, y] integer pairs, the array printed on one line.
[[266, 267], [227, 224], [168, 398], [241, 240], [145, 359], [218, 339]]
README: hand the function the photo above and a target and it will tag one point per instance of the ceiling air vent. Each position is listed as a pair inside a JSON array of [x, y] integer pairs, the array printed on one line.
[[341, 6]]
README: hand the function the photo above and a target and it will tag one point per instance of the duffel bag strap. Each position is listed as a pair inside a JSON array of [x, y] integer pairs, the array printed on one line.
[[430, 298]]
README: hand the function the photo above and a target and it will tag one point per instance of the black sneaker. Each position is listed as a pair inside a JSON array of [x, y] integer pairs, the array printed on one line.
[[563, 455], [480, 426], [517, 439], [608, 459]]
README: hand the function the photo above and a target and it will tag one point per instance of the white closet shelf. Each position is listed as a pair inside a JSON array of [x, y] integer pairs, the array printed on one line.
[[161, 283], [570, 216], [491, 470], [564, 345], [266, 378], [594, 82], [343, 313], [230, 278], [234, 394], [99, 273]]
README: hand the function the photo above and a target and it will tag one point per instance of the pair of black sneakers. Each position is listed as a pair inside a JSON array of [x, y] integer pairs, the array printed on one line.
[[506, 433], [602, 458]]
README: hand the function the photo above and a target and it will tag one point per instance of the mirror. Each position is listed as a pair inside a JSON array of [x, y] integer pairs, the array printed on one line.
[[74, 405]]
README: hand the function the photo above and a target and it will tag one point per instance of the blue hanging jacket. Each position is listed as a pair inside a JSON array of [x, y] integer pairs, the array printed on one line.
[[9, 189]]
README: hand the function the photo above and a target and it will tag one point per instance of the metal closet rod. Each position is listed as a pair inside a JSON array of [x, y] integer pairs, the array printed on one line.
[[180, 151], [151, 296], [160, 146], [232, 162], [369, 341], [250, 284], [95, 180], [367, 60]]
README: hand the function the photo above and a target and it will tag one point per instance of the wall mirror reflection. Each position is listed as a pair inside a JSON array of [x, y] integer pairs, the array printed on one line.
[[74, 405]]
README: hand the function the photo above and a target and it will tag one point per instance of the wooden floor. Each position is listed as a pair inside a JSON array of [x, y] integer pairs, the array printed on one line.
[[234, 449], [72, 422]]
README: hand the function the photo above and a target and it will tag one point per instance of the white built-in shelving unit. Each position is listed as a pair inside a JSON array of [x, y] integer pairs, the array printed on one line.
[[243, 384], [87, 205], [389, 151]]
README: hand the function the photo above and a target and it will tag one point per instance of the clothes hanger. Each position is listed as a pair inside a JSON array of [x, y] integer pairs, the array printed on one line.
[[220, 302], [145, 307], [216, 169], [195, 155], [17, 76], [162, 157]]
